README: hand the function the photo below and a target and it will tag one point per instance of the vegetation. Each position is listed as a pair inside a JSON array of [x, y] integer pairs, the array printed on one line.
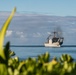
[[32, 66], [37, 66]]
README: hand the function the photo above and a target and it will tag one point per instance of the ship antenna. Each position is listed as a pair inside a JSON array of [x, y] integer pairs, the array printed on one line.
[[48, 38], [54, 33]]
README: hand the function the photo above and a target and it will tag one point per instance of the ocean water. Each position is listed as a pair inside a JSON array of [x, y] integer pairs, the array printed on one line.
[[26, 52]]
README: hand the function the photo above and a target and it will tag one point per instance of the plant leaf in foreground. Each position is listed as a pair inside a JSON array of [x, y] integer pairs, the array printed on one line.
[[3, 32]]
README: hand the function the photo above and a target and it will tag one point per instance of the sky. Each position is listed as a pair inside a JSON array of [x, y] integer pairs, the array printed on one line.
[[33, 29], [52, 7], [36, 19]]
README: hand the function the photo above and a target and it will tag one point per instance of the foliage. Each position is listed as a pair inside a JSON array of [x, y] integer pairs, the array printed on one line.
[[36, 66], [4, 52], [3, 32]]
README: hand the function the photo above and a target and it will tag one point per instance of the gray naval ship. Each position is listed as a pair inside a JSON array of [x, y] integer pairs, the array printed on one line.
[[54, 41]]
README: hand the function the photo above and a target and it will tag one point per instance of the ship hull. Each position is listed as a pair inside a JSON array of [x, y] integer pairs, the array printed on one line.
[[51, 45]]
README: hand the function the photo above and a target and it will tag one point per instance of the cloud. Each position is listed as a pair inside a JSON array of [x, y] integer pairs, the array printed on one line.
[[36, 28], [21, 34], [15, 34], [9, 33], [37, 34], [49, 33]]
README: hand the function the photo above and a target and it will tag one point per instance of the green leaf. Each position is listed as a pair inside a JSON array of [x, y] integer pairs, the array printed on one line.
[[3, 69], [3, 32]]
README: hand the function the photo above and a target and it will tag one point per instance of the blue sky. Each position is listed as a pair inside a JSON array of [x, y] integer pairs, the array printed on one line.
[[52, 7]]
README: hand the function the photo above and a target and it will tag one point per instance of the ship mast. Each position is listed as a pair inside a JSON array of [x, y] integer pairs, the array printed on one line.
[[54, 34]]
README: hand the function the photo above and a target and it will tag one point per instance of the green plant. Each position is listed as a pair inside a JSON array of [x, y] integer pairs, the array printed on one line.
[[3, 32], [4, 52], [37, 66], [66, 58]]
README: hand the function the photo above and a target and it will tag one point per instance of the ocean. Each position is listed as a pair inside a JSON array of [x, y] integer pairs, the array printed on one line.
[[24, 52]]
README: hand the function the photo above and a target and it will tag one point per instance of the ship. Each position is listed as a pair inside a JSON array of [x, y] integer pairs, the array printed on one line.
[[54, 41]]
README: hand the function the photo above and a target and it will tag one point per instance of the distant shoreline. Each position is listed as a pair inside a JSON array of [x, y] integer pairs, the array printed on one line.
[[39, 46]]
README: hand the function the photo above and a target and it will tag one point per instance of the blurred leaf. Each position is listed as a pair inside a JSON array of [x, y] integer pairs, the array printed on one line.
[[66, 58], [3, 69], [3, 32]]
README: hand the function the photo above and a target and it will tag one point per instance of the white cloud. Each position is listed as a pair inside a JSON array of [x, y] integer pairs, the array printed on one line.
[[9, 33], [19, 33], [37, 34], [22, 36], [48, 32]]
